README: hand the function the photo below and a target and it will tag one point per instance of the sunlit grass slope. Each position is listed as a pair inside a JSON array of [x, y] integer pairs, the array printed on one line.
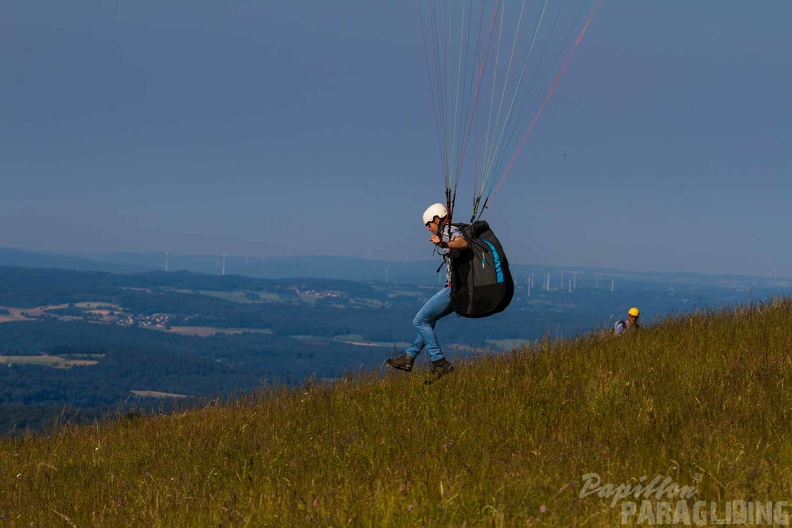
[[503, 441]]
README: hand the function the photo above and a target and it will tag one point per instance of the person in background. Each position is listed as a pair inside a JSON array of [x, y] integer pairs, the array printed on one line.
[[446, 237], [631, 324]]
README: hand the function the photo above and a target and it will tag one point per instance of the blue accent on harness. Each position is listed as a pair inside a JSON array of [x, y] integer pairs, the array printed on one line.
[[495, 255]]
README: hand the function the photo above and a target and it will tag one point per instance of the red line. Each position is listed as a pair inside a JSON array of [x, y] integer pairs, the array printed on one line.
[[541, 108]]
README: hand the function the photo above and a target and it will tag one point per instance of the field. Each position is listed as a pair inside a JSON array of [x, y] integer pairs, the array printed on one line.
[[594, 431], [47, 361], [243, 297], [507, 344], [26, 314], [157, 394], [206, 331]]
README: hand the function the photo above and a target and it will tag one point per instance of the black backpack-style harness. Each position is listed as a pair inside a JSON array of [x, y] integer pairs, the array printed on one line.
[[481, 283]]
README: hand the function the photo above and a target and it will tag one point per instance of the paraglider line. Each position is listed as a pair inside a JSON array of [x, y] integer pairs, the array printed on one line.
[[478, 90], [552, 88]]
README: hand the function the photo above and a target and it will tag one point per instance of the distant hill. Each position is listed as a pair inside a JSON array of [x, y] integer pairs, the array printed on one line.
[[31, 259], [422, 272], [322, 267]]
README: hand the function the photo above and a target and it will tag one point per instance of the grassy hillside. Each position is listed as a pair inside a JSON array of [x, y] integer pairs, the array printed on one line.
[[702, 399]]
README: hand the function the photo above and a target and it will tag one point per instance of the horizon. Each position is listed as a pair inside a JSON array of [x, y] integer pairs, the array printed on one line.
[[582, 269]]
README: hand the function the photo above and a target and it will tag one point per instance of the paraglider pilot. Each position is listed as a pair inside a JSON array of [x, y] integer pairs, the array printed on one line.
[[446, 237], [631, 324]]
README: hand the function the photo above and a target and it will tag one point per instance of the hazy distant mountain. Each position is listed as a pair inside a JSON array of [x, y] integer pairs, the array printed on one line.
[[31, 259], [325, 267], [422, 272]]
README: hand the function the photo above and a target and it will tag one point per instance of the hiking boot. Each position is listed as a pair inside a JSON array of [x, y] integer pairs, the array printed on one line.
[[440, 368], [403, 362]]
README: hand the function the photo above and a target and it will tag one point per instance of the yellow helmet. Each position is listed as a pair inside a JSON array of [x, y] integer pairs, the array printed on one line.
[[635, 312]]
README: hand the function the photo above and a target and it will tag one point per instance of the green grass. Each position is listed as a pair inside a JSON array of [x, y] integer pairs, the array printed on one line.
[[505, 440]]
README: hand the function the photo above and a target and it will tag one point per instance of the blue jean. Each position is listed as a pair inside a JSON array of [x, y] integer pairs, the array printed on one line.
[[435, 309]]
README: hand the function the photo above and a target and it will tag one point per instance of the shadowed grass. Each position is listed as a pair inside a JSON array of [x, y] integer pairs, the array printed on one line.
[[701, 398]]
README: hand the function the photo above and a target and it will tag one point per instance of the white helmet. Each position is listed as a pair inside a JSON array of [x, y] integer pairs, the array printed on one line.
[[437, 209]]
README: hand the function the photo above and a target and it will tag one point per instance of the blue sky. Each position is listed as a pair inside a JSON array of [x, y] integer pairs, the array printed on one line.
[[305, 127]]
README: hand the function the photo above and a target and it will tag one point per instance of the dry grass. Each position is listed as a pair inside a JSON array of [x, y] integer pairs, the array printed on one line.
[[701, 398]]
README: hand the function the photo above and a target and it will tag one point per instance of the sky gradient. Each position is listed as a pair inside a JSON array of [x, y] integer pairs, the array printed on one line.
[[305, 127]]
